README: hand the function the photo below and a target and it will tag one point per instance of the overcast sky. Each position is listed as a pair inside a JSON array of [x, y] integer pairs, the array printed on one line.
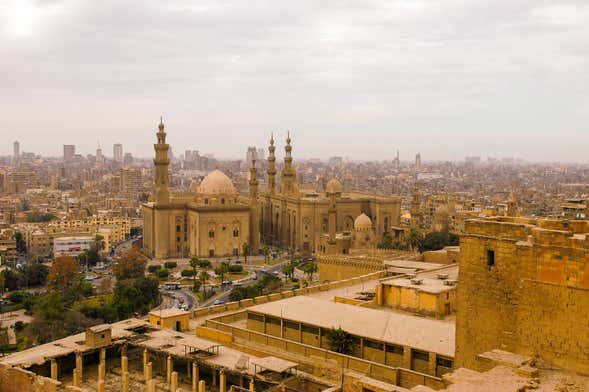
[[447, 78]]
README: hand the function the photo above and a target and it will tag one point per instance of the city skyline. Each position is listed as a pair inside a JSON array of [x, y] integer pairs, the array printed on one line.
[[448, 79]]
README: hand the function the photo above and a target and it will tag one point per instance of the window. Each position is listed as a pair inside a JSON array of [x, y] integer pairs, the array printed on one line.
[[224, 228], [372, 344], [310, 329], [222, 200], [394, 349], [235, 252], [177, 228], [490, 258], [206, 201], [444, 362], [421, 355], [211, 253], [211, 234], [255, 317], [272, 320], [235, 233]]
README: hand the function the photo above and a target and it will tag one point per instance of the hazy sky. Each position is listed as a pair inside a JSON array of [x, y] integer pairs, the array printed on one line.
[[448, 78]]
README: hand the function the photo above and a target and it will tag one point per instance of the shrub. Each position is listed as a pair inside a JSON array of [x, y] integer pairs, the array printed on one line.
[[163, 273], [153, 268], [170, 264], [204, 263], [187, 273], [235, 268]]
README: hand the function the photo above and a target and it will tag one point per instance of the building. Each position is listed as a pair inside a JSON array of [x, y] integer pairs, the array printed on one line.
[[296, 218], [128, 159], [16, 151], [431, 293], [210, 221], [171, 318], [72, 246], [69, 152], [525, 283], [131, 181], [117, 152], [8, 251]]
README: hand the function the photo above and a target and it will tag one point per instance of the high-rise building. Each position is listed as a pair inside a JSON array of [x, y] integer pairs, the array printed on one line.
[[128, 159], [99, 157], [16, 149], [418, 161], [69, 152], [117, 152]]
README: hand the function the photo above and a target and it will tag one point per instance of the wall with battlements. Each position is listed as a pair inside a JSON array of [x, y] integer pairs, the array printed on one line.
[[524, 287]]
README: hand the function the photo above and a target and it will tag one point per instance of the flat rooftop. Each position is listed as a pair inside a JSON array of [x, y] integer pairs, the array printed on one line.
[[169, 312], [396, 328], [430, 283]]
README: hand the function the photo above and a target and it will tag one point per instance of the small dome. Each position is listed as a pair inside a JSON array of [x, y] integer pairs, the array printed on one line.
[[363, 221], [334, 186], [216, 182]]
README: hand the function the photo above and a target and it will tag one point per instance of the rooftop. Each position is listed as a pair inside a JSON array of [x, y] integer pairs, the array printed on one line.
[[169, 312], [401, 329]]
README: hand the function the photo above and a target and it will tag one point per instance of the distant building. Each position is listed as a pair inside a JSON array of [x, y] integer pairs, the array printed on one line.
[[16, 150], [128, 159], [69, 152], [131, 180], [418, 161], [72, 246], [473, 160], [117, 152]]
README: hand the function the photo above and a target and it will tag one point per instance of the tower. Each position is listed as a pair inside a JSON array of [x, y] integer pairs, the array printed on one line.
[[117, 152], [161, 161], [289, 176], [418, 162], [415, 209], [255, 214], [271, 166]]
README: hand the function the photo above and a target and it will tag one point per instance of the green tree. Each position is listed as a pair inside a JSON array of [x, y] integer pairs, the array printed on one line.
[[387, 242], [288, 270], [310, 269], [194, 263], [245, 250], [204, 277], [414, 239], [437, 240], [222, 270], [341, 341], [266, 252]]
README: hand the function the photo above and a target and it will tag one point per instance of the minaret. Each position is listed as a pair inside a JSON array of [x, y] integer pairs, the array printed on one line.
[[415, 209], [161, 162], [332, 217], [271, 166], [512, 205], [287, 182], [255, 214]]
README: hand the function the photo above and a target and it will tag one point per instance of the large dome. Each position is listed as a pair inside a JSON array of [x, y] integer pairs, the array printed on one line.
[[216, 182], [363, 221], [334, 186]]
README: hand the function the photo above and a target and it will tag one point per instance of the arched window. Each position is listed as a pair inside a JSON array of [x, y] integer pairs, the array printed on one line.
[[222, 200], [211, 233], [235, 233]]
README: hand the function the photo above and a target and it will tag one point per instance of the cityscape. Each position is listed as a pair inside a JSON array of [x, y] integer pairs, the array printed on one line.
[[145, 257]]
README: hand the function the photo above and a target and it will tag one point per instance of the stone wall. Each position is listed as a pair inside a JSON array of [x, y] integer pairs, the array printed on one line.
[[20, 380], [533, 300]]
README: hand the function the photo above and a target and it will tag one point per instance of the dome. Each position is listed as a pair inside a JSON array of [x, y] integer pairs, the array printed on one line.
[[363, 221], [216, 182], [334, 186]]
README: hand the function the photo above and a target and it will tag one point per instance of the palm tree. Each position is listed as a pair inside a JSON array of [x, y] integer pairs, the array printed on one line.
[[203, 277], [245, 249], [194, 264], [266, 251]]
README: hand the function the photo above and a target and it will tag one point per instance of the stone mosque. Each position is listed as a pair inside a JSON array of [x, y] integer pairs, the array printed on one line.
[[213, 220]]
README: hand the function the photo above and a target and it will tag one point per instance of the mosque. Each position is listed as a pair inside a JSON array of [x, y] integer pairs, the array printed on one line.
[[213, 220]]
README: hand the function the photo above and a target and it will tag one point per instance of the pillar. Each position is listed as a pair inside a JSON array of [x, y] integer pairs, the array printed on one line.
[[169, 369], [80, 367], [150, 386], [145, 357], [124, 364], [252, 386], [406, 357], [101, 372], [174, 381], [125, 382], [202, 386], [432, 363], [100, 386], [214, 378], [147, 369], [222, 381], [54, 369], [124, 350], [76, 378], [195, 376], [102, 364]]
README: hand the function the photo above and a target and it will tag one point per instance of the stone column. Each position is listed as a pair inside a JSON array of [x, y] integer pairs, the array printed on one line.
[[202, 386], [76, 378], [80, 367], [101, 371], [432, 364], [169, 369], [102, 364], [195, 376], [100, 386], [222, 381], [150, 386], [252, 386], [406, 357], [147, 371], [174, 381], [54, 369], [145, 357], [125, 382], [124, 364]]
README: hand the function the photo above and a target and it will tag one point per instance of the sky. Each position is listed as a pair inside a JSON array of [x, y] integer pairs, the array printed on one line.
[[361, 79]]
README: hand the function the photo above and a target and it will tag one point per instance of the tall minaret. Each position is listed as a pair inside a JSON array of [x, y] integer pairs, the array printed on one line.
[[271, 166], [161, 161], [415, 209], [255, 213], [287, 182]]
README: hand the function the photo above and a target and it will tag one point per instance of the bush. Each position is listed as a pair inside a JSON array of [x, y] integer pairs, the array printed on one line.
[[235, 268], [204, 263], [153, 268], [170, 264], [163, 273], [187, 273]]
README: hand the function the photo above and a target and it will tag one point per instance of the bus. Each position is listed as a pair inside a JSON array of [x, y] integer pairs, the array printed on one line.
[[171, 286]]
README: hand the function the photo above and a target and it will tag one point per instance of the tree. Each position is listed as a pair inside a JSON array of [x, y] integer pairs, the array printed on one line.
[[222, 269], [310, 269], [135, 296], [130, 264], [63, 273], [387, 242], [288, 269], [437, 240], [245, 249], [414, 239], [194, 264], [203, 277], [341, 341], [266, 252]]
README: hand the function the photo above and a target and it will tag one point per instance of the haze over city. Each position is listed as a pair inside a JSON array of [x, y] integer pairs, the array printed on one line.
[[361, 79]]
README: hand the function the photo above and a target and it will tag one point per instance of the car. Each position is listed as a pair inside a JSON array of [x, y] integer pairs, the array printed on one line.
[[218, 302]]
